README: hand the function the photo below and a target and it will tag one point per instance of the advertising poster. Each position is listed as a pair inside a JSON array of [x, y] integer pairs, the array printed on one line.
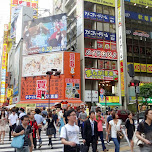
[[72, 75], [31, 89], [98, 74], [16, 71], [36, 65], [45, 35]]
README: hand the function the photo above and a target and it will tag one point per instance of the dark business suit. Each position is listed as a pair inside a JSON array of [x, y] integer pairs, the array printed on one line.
[[87, 135]]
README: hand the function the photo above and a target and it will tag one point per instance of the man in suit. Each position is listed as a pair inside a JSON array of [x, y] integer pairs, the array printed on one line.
[[90, 134]]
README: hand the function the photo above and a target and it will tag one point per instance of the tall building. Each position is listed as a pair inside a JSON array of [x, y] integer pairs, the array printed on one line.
[[109, 35]]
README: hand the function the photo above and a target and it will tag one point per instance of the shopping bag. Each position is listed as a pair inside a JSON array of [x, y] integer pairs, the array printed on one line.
[[18, 141]]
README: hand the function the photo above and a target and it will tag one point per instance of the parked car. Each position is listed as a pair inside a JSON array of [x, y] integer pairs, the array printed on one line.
[[123, 114]]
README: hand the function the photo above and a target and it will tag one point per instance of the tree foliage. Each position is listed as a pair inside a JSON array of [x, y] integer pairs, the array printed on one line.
[[146, 90]]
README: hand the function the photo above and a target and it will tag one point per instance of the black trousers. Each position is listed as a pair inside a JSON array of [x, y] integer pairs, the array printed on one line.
[[12, 128], [93, 141], [34, 143]]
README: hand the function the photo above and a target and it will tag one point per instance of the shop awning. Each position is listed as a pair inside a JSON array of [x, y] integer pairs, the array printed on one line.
[[111, 104]]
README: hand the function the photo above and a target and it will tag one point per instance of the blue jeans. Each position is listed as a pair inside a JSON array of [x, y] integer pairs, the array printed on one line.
[[117, 144], [100, 134]]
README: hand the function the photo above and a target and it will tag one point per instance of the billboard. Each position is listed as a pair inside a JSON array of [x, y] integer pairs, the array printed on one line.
[[16, 71], [45, 35], [99, 74], [36, 65]]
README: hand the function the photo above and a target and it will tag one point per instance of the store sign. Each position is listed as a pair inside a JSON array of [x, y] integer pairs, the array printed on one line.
[[99, 74], [101, 54], [137, 67], [109, 99], [141, 2], [88, 96], [105, 2], [38, 105], [122, 79], [99, 35], [41, 87], [149, 68], [72, 63], [138, 16]]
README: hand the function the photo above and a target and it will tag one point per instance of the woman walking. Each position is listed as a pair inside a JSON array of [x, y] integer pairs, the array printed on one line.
[[114, 127], [50, 128], [146, 129], [3, 122], [61, 121], [130, 129]]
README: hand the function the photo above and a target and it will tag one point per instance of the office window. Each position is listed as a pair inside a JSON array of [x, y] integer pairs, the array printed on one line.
[[106, 27], [112, 11], [99, 8], [105, 10], [99, 26], [112, 28]]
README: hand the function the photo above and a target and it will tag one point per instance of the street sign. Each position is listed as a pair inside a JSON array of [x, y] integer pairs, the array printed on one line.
[[137, 89]]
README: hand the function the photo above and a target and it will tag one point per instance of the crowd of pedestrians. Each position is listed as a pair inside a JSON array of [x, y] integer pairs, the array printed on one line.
[[69, 122]]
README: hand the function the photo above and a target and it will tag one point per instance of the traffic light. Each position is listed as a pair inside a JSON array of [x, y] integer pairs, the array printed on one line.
[[134, 83], [43, 95], [131, 70]]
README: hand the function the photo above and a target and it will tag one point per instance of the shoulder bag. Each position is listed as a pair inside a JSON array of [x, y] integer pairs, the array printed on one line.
[[18, 141]]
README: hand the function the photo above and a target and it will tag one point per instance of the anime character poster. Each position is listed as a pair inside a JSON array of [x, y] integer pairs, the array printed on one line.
[[45, 35], [36, 65]]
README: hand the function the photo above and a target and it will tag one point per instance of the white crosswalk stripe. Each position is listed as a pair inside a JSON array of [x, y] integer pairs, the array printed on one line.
[[57, 146]]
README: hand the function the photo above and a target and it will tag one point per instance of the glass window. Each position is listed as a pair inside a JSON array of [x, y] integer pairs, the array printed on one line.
[[112, 11], [129, 59], [143, 60], [114, 65], [100, 64], [136, 60], [105, 10], [112, 28], [99, 8], [106, 27], [99, 26], [88, 62]]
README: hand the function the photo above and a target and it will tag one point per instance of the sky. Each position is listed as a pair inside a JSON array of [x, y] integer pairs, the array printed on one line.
[[5, 13]]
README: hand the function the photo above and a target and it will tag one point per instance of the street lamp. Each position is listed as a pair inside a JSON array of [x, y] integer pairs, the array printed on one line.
[[55, 73]]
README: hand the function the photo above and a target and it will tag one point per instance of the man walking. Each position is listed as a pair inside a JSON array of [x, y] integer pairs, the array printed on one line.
[[12, 122], [39, 119], [91, 132], [55, 119], [82, 118], [70, 133], [26, 130], [100, 120]]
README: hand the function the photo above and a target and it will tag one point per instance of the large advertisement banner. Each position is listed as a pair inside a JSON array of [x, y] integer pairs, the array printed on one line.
[[45, 35], [141, 2], [36, 65], [99, 74], [16, 71]]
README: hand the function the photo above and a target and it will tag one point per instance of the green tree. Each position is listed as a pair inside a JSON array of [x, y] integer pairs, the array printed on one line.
[[146, 92]]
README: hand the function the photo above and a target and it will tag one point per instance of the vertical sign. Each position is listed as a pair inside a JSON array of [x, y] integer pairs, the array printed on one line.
[[120, 41], [41, 88], [4, 61], [72, 63]]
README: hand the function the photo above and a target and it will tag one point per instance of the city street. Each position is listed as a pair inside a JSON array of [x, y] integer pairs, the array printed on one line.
[[58, 147]]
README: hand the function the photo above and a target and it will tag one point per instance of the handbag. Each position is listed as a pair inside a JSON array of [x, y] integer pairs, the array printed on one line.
[[18, 141], [120, 135], [137, 141], [83, 148]]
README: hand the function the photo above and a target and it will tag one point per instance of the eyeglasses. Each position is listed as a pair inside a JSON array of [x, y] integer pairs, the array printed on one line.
[[73, 115]]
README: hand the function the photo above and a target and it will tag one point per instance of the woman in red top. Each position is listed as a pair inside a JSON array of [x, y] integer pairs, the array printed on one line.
[[100, 120], [34, 126]]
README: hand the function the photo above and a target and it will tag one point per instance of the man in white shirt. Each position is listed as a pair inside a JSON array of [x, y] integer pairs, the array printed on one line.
[[12, 122], [22, 113], [70, 133]]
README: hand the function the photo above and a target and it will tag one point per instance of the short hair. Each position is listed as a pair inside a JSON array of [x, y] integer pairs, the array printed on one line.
[[69, 112], [23, 117], [43, 108], [50, 114], [91, 112], [37, 111], [111, 110], [29, 113], [98, 110], [13, 110], [54, 110], [129, 113], [21, 109]]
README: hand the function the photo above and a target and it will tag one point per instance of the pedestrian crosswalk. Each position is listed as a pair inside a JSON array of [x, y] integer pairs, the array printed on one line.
[[57, 146]]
